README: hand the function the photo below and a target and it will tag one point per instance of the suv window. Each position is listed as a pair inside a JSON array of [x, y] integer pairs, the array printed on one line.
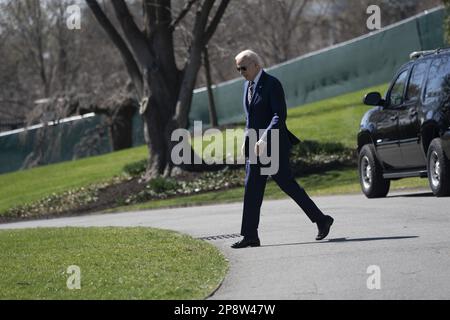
[[439, 71], [416, 80], [396, 94]]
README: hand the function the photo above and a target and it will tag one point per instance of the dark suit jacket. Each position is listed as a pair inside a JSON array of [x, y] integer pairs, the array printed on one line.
[[267, 110]]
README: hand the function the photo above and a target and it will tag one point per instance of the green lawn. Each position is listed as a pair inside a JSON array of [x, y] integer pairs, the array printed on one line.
[[331, 120], [25, 186], [114, 263]]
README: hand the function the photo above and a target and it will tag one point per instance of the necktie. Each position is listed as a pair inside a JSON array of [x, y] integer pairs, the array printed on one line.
[[251, 89]]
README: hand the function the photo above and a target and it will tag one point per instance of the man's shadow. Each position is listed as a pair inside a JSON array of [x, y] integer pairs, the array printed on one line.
[[340, 240]]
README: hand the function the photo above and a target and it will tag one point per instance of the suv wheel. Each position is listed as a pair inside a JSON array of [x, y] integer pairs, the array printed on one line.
[[438, 168], [373, 185]]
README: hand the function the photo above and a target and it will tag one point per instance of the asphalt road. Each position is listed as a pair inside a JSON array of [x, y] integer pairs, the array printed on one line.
[[392, 248]]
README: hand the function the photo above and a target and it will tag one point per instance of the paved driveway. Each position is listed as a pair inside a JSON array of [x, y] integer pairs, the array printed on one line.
[[401, 243]]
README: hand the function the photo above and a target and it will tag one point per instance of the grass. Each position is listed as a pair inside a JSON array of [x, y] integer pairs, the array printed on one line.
[[115, 263], [26, 186], [331, 120]]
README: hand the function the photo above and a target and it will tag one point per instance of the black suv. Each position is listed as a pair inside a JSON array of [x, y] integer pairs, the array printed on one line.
[[407, 134]]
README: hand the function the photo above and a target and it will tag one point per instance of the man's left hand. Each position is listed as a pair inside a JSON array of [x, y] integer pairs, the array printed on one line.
[[260, 147]]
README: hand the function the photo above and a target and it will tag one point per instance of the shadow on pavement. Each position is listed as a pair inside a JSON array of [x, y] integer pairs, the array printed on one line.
[[413, 195], [341, 240]]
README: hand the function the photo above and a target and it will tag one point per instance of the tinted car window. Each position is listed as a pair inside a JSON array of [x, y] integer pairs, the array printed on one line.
[[438, 79], [416, 80], [396, 95]]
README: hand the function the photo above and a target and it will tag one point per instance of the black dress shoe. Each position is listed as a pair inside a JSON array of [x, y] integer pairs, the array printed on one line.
[[244, 243], [324, 227]]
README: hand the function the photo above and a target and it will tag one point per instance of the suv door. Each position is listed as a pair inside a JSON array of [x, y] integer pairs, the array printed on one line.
[[387, 135], [408, 123]]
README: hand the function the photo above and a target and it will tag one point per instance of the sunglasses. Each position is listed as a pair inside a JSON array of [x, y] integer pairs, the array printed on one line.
[[239, 69]]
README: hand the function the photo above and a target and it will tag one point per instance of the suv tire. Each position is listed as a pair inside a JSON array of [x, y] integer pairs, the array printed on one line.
[[438, 169], [373, 185]]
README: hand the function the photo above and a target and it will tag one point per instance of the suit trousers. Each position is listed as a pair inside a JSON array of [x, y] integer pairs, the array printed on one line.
[[255, 184]]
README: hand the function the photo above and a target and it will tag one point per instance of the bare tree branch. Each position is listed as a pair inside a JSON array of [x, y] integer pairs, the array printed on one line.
[[183, 13], [133, 34], [127, 56], [215, 22], [201, 21]]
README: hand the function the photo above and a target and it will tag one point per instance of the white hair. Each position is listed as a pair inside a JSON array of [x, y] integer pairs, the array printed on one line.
[[249, 54]]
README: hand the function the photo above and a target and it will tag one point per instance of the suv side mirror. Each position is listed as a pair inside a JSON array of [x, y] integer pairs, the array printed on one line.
[[373, 99]]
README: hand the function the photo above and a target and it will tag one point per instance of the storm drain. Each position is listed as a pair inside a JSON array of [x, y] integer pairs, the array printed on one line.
[[220, 237]]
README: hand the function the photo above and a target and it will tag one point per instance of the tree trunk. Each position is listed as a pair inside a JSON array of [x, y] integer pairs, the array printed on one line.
[[154, 127], [157, 118], [159, 125], [121, 128], [164, 90]]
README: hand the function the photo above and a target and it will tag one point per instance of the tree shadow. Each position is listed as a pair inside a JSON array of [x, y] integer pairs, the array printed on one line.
[[340, 240]]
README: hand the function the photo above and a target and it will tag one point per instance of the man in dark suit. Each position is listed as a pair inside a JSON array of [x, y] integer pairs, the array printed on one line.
[[265, 108]]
